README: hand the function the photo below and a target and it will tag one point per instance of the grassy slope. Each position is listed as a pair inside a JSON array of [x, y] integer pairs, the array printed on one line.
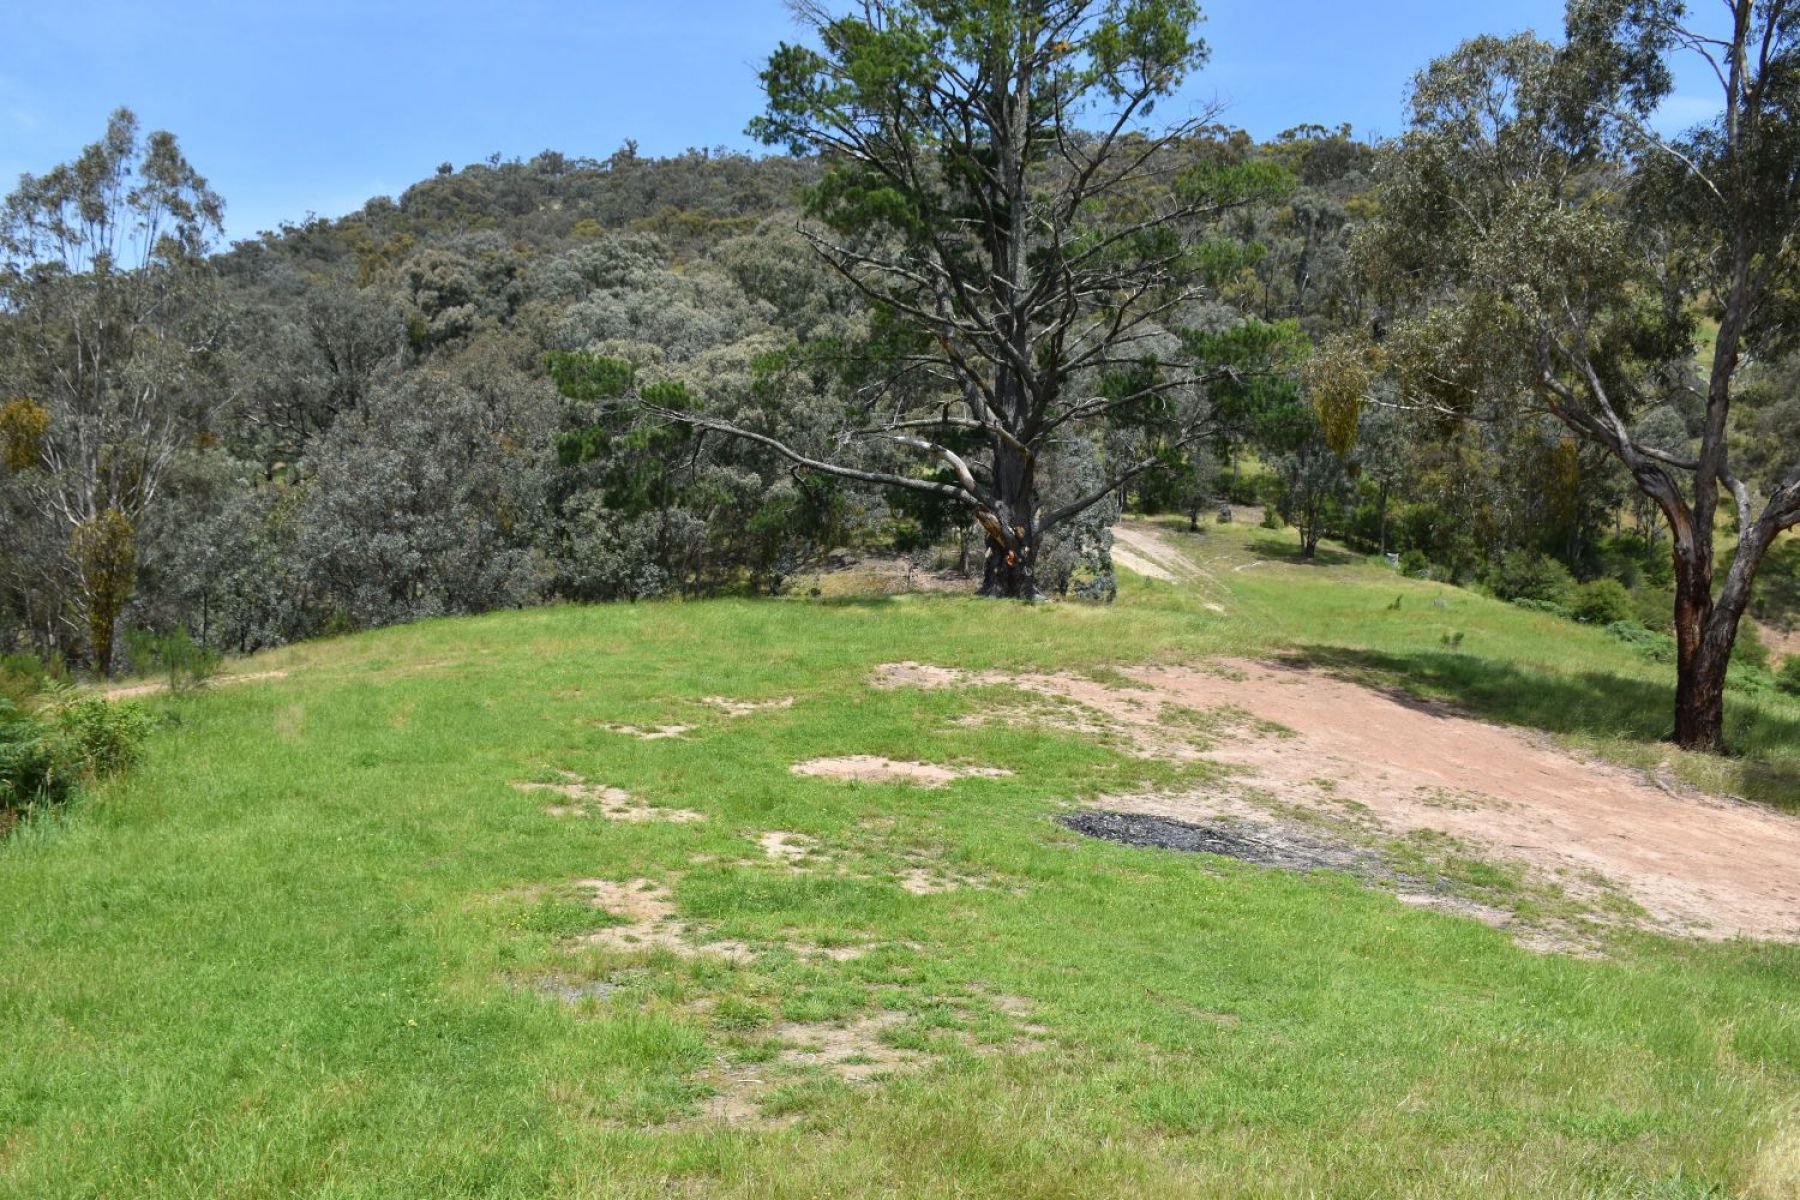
[[284, 957]]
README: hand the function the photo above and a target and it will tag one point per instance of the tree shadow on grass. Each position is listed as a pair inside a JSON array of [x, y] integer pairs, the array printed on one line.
[[1763, 765], [1276, 550]]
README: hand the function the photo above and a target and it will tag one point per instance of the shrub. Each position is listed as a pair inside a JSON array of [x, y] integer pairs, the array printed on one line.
[[1602, 602], [1658, 647], [185, 661], [29, 762], [1414, 564], [22, 676], [44, 754], [1546, 606], [1654, 609], [1788, 678], [1748, 652], [1528, 575]]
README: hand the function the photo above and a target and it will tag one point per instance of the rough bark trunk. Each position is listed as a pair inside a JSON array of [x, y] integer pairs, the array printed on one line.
[[1009, 573], [1013, 535]]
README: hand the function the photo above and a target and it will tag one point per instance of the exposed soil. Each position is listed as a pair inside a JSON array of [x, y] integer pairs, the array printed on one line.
[[1145, 552], [744, 708], [587, 799], [130, 690], [802, 855], [867, 768], [790, 848], [1696, 866], [656, 733], [853, 1051], [647, 921]]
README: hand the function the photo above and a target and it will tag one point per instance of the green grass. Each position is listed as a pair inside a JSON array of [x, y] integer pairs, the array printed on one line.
[[300, 950]]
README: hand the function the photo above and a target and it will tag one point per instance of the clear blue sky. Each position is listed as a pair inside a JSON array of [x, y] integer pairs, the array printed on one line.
[[292, 108]]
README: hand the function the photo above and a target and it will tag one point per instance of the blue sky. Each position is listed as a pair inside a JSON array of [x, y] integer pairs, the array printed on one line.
[[291, 108]]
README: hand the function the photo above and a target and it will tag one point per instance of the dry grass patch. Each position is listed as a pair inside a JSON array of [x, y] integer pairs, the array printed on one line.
[[868, 768], [586, 799]]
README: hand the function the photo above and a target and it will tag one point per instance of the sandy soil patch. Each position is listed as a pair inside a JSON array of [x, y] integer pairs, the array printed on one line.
[[1697, 866], [1144, 550], [867, 768], [649, 733], [744, 708], [130, 690], [587, 799], [647, 921], [790, 849], [646, 912], [923, 875], [853, 1051]]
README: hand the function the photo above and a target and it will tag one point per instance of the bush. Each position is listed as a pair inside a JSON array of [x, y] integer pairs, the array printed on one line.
[[44, 754], [1658, 647], [29, 763], [1546, 606], [1788, 678], [1748, 651], [1528, 575], [101, 737], [185, 661], [1414, 564], [22, 676], [1602, 602], [1654, 609]]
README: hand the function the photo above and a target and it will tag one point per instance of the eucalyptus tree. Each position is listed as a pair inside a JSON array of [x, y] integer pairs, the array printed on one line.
[[1031, 247], [106, 337], [1556, 254]]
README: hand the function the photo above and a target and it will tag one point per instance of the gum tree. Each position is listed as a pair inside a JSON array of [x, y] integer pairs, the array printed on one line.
[[1553, 254], [1029, 247], [105, 332]]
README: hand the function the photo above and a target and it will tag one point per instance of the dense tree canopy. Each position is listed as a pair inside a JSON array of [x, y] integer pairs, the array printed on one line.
[[984, 297]]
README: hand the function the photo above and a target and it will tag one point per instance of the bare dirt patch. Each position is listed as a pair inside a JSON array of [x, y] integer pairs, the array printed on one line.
[[853, 1051], [649, 733], [1143, 550], [744, 708], [867, 768], [587, 799], [923, 876], [1696, 866], [130, 690], [859, 1051], [790, 849], [647, 921]]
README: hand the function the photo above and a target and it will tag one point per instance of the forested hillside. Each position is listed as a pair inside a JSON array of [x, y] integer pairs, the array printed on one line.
[[523, 381]]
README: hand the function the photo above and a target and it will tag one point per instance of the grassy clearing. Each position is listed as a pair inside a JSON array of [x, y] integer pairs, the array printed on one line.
[[319, 945]]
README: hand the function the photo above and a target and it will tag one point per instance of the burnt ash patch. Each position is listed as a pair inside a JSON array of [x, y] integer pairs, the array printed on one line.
[[1263, 846]]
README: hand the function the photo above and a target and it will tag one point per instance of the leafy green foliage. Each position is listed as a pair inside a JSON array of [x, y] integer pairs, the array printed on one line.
[[49, 749], [1601, 602]]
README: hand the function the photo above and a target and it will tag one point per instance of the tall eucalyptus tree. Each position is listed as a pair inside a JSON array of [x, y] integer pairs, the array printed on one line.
[[1555, 254]]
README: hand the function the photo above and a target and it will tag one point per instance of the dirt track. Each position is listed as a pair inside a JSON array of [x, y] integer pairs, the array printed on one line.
[[1698, 867]]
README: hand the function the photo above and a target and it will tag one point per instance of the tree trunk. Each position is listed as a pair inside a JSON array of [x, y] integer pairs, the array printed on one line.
[[1382, 509], [1010, 572], [1700, 691]]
